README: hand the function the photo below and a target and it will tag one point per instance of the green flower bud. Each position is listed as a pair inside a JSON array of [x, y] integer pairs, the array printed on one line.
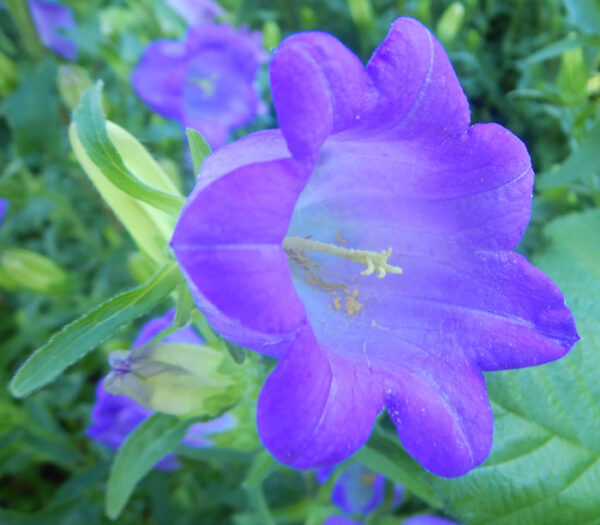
[[450, 23], [175, 378], [26, 269], [271, 34]]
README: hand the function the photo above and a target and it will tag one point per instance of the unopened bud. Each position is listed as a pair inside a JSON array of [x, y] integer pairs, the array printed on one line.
[[450, 23], [72, 81], [27, 269], [175, 378]]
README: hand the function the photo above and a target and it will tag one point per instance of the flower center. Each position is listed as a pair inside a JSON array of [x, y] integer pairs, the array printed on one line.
[[373, 261]]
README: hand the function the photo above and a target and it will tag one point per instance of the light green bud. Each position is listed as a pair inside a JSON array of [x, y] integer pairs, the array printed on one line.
[[175, 378], [26, 269], [271, 34], [72, 81], [450, 23]]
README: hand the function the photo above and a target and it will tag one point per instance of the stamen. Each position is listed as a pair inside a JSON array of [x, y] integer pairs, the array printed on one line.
[[373, 261]]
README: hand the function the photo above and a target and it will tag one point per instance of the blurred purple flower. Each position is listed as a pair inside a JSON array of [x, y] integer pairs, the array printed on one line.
[[3, 208], [196, 12], [427, 519], [371, 158], [359, 489], [115, 417], [206, 82], [49, 18]]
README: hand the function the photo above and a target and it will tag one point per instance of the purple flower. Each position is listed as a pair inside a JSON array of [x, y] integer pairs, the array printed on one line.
[[368, 159], [206, 82], [3, 208], [196, 12], [115, 417], [49, 18], [427, 519], [359, 489]]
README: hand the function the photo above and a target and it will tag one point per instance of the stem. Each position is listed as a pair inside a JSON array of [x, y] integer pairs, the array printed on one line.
[[373, 261]]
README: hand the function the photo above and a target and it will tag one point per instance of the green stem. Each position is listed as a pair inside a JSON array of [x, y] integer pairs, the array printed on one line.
[[19, 11]]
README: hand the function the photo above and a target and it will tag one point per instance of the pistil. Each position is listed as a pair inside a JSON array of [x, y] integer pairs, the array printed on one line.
[[373, 261]]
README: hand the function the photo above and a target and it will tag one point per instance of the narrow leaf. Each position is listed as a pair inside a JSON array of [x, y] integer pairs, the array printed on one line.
[[146, 445], [199, 148], [91, 130], [83, 335]]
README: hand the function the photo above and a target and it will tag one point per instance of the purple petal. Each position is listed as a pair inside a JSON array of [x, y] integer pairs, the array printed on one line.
[[3, 208], [427, 519], [49, 18], [309, 397], [359, 490], [236, 268], [416, 91], [159, 78], [318, 86], [155, 326], [475, 191], [196, 12]]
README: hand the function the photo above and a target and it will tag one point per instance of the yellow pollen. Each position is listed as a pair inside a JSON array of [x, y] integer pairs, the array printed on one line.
[[351, 304], [368, 479], [337, 303]]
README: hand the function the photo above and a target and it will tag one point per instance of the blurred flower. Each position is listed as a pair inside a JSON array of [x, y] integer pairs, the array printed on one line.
[[340, 520], [114, 417], [3, 208], [368, 160], [49, 18], [359, 489], [206, 82], [196, 12], [427, 519]]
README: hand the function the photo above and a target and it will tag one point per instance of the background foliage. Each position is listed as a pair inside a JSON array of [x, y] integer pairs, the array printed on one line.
[[532, 65]]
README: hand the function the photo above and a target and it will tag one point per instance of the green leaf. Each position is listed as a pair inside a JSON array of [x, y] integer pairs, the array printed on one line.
[[580, 164], [91, 131], [83, 335], [545, 462], [199, 148], [146, 445], [384, 454]]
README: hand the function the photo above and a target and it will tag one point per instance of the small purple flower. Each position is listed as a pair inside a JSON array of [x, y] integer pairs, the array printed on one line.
[[368, 161], [359, 489], [206, 82], [115, 417], [49, 18], [196, 12], [3, 208]]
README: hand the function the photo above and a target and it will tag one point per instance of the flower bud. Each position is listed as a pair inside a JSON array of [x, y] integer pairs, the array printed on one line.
[[23, 268], [450, 23], [175, 378]]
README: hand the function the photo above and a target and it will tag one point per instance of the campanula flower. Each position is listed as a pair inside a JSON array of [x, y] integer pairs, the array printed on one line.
[[196, 12], [206, 82], [49, 19], [368, 243], [114, 417]]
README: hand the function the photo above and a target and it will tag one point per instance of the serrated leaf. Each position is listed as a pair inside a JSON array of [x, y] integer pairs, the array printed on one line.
[[145, 446], [545, 462], [199, 148], [91, 131], [83, 335]]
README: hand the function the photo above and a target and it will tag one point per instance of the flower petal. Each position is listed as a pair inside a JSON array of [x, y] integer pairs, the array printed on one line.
[[316, 408], [49, 18], [474, 191], [159, 77], [228, 244], [319, 87], [416, 89]]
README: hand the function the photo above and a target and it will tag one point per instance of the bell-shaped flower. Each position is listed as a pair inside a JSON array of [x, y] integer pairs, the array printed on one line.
[[206, 82], [49, 19], [3, 209], [368, 243], [114, 417]]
